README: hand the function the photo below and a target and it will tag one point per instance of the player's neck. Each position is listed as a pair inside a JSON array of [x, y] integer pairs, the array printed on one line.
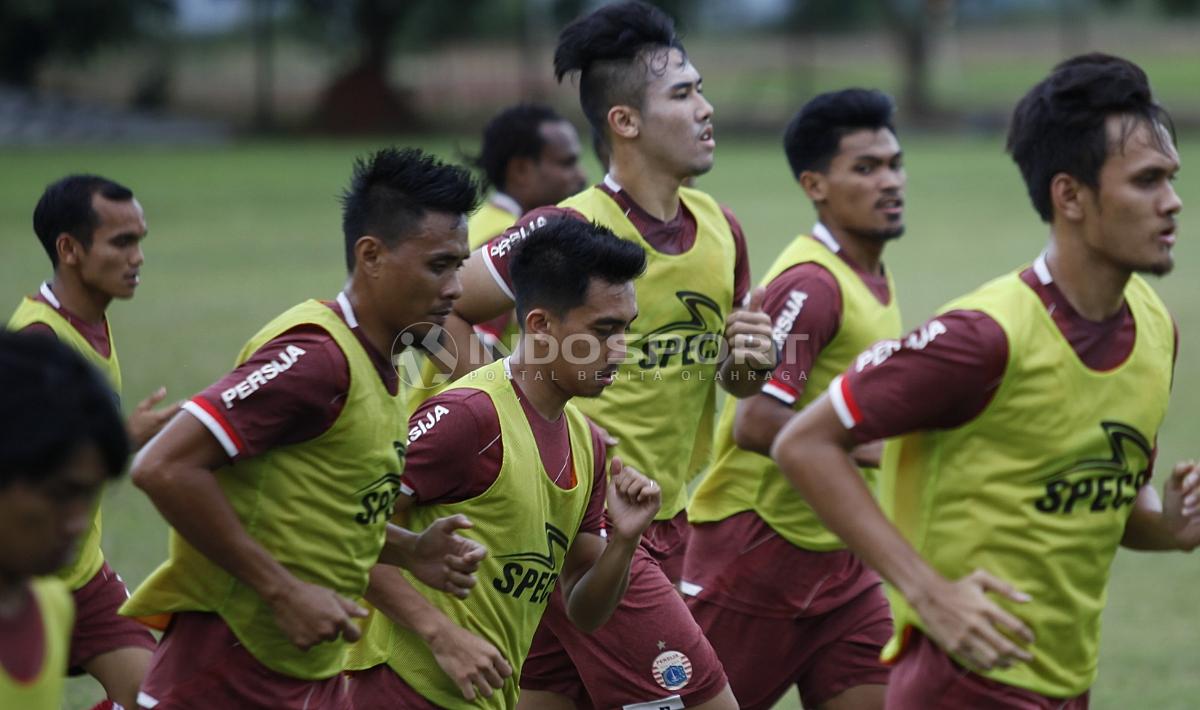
[[866, 252], [369, 324], [87, 304], [539, 385], [1095, 288], [654, 191]]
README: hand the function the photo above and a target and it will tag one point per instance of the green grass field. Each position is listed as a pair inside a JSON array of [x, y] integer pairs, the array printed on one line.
[[238, 234]]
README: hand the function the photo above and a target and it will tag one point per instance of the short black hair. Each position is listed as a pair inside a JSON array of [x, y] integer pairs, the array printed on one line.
[[609, 48], [55, 402], [814, 134], [515, 132], [66, 206], [391, 190], [1060, 126], [552, 267]]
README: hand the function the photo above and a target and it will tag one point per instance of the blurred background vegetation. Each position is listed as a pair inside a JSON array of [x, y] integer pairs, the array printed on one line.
[[389, 66]]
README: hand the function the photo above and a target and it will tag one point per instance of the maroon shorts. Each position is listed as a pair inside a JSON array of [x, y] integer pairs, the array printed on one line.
[[816, 620], [200, 664], [98, 627], [380, 687], [667, 543], [925, 678], [650, 650]]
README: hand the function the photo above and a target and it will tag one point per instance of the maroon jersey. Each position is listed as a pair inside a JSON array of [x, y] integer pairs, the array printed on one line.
[[946, 381], [805, 307], [23, 640], [96, 334], [674, 236], [455, 451], [249, 414]]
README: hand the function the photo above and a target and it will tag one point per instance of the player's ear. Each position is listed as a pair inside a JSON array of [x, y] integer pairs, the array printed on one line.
[[814, 184], [624, 121], [368, 255], [537, 321], [68, 249], [1067, 196]]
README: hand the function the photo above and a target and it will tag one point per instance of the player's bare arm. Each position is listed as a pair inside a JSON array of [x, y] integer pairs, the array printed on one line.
[[813, 452], [437, 556], [596, 572], [1172, 523], [750, 349], [482, 300], [175, 471], [145, 421]]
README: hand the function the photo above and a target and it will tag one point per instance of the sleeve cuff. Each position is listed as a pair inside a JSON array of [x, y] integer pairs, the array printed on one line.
[[843, 403], [216, 425]]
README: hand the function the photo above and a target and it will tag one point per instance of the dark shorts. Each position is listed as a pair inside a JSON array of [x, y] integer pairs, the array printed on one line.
[[779, 615], [667, 543], [200, 664], [98, 627], [925, 678], [380, 687], [650, 651]]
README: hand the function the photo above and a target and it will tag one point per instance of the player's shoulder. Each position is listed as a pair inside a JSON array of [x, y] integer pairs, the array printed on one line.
[[458, 413]]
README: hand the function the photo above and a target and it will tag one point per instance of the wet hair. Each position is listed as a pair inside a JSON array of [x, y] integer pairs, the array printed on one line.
[[615, 49], [515, 132], [814, 135], [55, 403], [1060, 126], [391, 190], [66, 206], [553, 266]]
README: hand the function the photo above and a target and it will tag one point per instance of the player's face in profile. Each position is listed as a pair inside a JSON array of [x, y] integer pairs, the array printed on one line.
[[419, 277], [591, 338], [558, 172], [864, 185], [1132, 215], [676, 120], [112, 264], [42, 520]]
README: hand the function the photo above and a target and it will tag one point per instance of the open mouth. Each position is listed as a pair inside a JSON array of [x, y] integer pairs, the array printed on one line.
[[891, 206], [1167, 236], [706, 136]]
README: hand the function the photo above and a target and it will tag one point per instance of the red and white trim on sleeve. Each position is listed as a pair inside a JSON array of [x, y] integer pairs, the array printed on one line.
[[216, 425], [487, 261], [781, 391], [843, 403]]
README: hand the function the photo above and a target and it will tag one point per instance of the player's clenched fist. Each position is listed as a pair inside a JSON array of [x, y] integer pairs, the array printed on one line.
[[748, 335], [633, 500], [309, 614]]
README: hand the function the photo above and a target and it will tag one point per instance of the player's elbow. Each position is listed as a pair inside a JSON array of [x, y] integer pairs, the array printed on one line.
[[750, 437], [151, 472]]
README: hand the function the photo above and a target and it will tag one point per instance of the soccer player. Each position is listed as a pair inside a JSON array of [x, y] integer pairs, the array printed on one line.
[[92, 229], [639, 89], [505, 446], [1026, 413], [279, 480], [761, 571], [61, 439], [531, 157]]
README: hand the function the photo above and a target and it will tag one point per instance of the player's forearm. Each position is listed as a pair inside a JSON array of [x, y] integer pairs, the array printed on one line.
[[468, 351], [825, 476], [1145, 530], [757, 422], [399, 546], [391, 593], [192, 502], [740, 379], [590, 601]]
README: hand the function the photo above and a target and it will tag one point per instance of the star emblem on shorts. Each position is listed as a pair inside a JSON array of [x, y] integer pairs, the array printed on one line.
[[662, 645]]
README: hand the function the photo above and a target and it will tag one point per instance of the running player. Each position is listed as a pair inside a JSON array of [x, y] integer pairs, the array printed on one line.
[[504, 446], [639, 89], [531, 157], [761, 572], [61, 439], [92, 229], [1027, 413], [279, 480]]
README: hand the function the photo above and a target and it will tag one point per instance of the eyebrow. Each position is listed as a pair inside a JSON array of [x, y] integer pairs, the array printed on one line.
[[686, 84], [881, 159]]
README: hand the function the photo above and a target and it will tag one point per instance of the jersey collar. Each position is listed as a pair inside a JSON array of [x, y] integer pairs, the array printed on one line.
[[611, 183], [821, 233], [506, 202], [1042, 271], [49, 296], [347, 310]]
